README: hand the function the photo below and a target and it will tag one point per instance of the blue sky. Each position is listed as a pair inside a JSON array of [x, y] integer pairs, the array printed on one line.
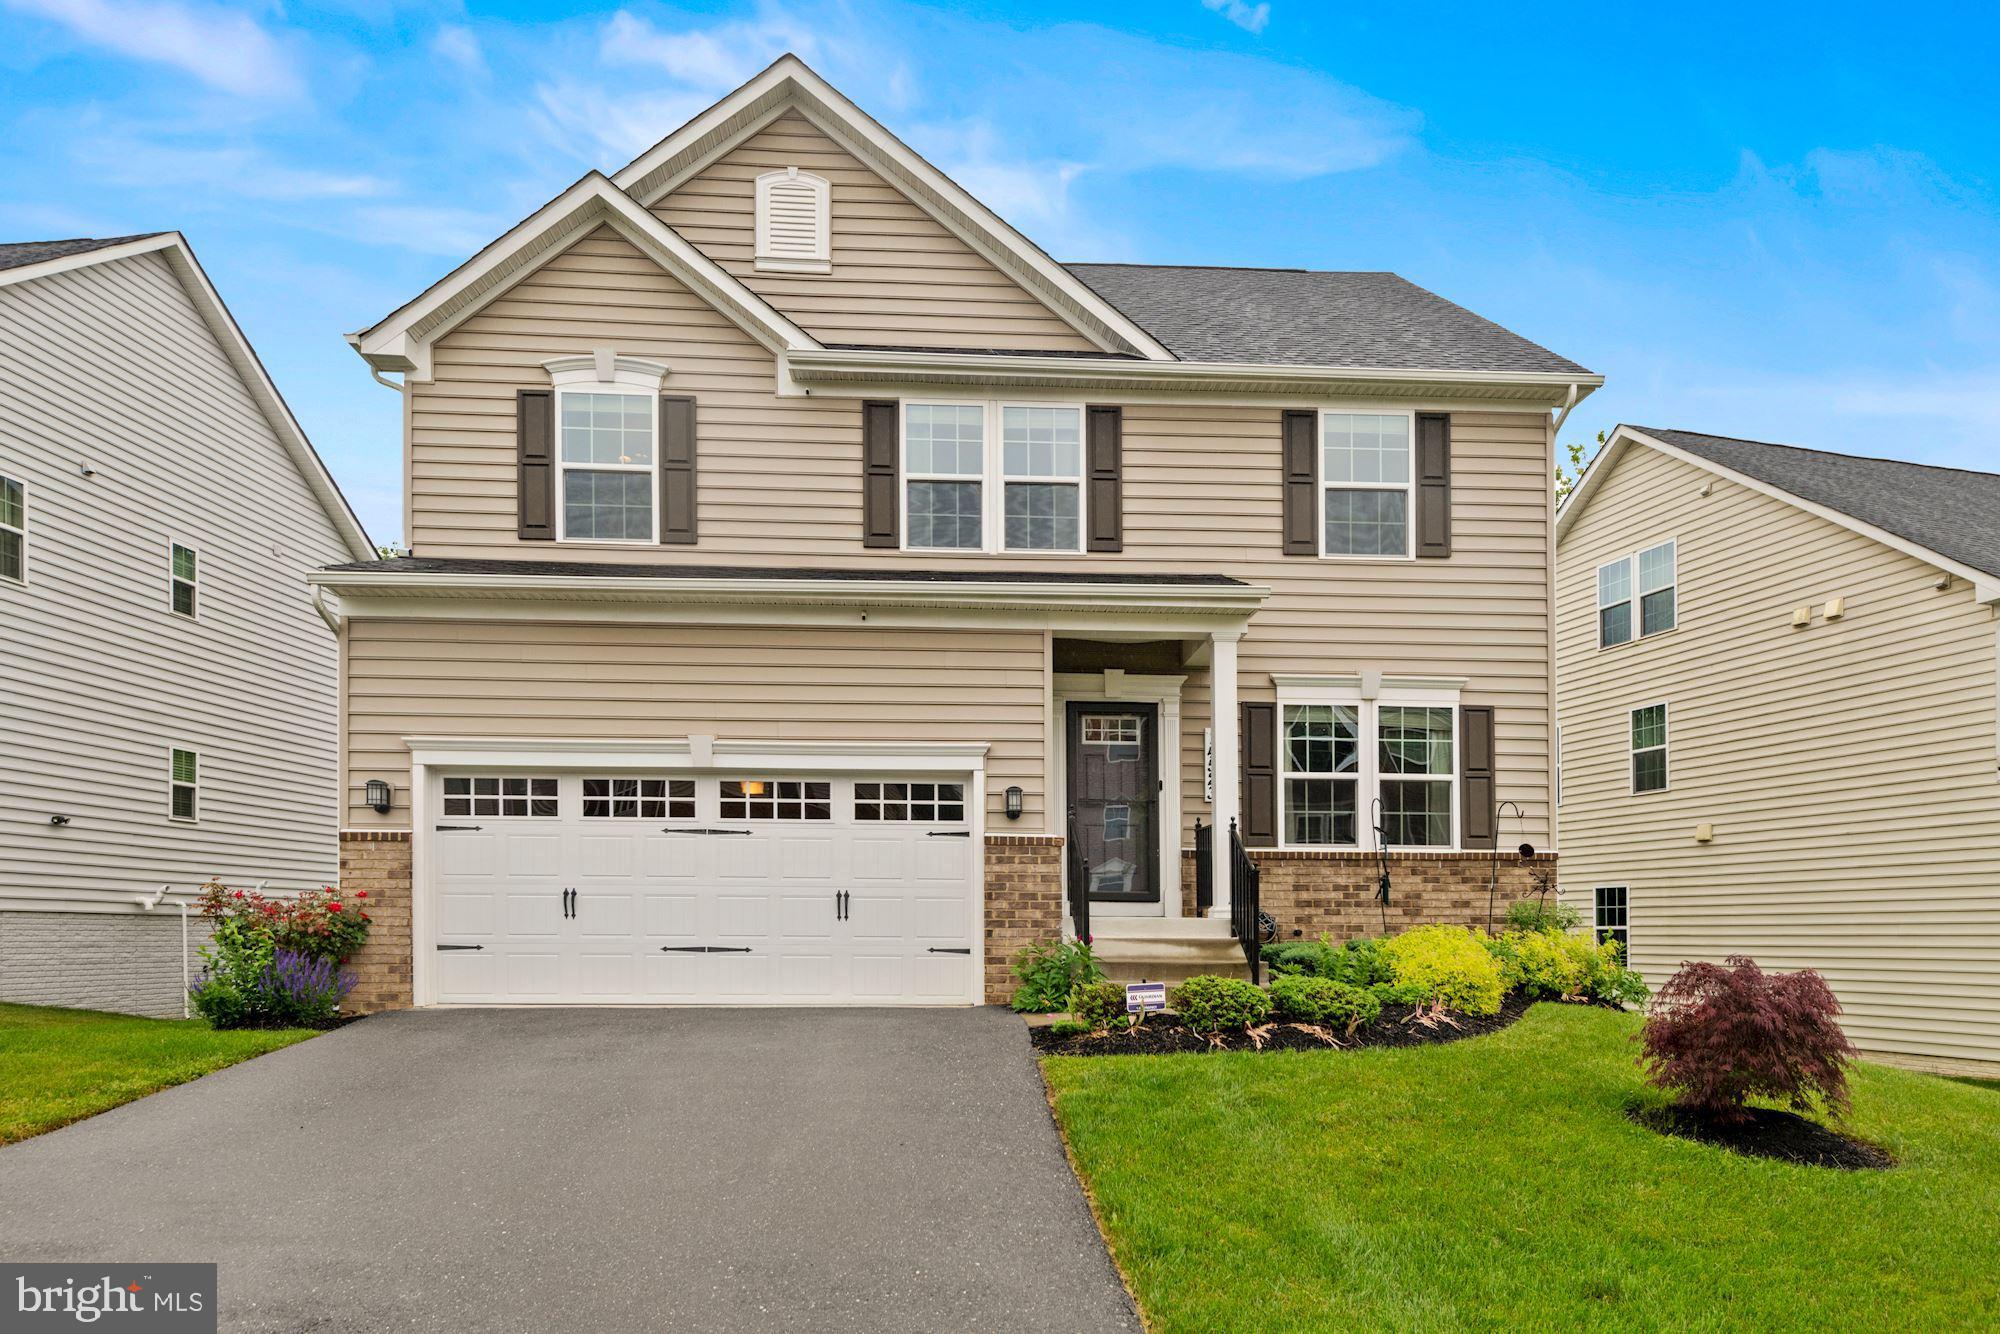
[[1761, 221]]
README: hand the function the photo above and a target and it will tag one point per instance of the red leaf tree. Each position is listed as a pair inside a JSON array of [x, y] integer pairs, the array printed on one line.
[[1719, 1034]]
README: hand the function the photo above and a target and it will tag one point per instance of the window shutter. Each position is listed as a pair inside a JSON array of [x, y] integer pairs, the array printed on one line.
[[1433, 484], [1477, 795], [1260, 775], [879, 475], [1301, 439], [534, 438], [677, 470], [1105, 465]]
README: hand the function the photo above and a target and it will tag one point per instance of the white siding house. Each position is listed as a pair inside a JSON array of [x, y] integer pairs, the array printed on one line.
[[170, 691]]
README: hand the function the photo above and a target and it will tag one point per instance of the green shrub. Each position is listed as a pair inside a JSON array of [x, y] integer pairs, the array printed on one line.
[[1606, 979], [1049, 972], [1358, 962], [1300, 958], [1098, 1005], [1398, 993], [1210, 1004], [1567, 966], [1321, 1000], [1541, 915], [1068, 1028], [1446, 965]]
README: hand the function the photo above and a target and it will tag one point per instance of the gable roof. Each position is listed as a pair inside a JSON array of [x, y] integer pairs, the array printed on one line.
[[52, 257], [1306, 317], [1949, 517]]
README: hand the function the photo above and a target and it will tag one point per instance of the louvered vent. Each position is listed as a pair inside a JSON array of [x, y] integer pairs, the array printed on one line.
[[792, 222]]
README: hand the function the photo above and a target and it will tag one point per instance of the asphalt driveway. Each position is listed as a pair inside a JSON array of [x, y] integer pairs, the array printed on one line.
[[597, 1170]]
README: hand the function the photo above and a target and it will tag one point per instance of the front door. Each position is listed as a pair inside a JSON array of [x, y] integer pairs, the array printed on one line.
[[1114, 787]]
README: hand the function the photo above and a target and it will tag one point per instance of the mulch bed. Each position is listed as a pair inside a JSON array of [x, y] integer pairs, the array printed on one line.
[[1769, 1133], [1163, 1034], [323, 1026]]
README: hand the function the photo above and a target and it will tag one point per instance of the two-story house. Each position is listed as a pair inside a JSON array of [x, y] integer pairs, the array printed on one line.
[[803, 565], [1778, 702], [170, 690]]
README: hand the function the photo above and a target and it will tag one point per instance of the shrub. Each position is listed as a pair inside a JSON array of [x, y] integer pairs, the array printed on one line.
[[1447, 966], [1541, 915], [318, 922], [301, 990], [1098, 1004], [1564, 966], [1321, 1000], [1068, 1028], [246, 982], [1608, 980], [1299, 958], [1049, 972], [1358, 962], [1211, 1004], [1720, 1034]]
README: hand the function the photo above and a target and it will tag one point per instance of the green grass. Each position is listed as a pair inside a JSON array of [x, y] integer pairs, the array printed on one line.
[[59, 1066], [1497, 1183]]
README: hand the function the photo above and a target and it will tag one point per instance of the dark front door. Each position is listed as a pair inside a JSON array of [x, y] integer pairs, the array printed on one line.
[[1114, 787]]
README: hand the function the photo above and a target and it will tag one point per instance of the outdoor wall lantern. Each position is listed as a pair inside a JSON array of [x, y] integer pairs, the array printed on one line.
[[379, 796], [1013, 803]]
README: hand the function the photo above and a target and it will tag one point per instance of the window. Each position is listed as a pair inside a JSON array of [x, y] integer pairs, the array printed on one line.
[[638, 798], [769, 799], [1322, 774], [1649, 748], [793, 216], [607, 466], [181, 577], [493, 795], [1120, 734], [962, 494], [1655, 595], [928, 803], [183, 785], [1417, 770], [1041, 459], [1611, 916], [1365, 475], [13, 530], [944, 464]]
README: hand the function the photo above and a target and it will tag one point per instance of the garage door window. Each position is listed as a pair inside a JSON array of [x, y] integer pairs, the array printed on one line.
[[773, 799], [480, 795], [638, 798], [929, 803]]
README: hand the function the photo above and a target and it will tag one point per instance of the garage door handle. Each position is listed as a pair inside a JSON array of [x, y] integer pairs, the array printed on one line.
[[949, 833], [704, 949], [461, 947], [951, 949]]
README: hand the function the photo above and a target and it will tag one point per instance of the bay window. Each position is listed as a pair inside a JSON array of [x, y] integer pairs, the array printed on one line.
[[992, 477], [608, 466], [1342, 754]]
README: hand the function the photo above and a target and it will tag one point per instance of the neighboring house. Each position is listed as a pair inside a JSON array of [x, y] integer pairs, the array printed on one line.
[[794, 547], [1777, 695], [171, 693]]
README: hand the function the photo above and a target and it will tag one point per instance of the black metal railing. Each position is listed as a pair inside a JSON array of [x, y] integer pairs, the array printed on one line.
[[1204, 866], [1246, 910], [1077, 878]]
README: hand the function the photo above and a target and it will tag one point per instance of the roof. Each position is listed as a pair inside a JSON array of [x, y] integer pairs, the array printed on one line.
[[1954, 512], [540, 569], [14, 254], [1307, 317]]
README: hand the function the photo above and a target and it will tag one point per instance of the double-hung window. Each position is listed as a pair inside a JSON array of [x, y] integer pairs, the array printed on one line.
[[183, 785], [1365, 473], [1041, 459], [1322, 774], [992, 477], [13, 530], [1350, 763], [1649, 749], [1654, 595], [944, 467], [1612, 916], [183, 573], [608, 466], [1417, 767]]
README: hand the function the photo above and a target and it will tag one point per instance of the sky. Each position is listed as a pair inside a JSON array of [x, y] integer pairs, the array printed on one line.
[[1778, 222]]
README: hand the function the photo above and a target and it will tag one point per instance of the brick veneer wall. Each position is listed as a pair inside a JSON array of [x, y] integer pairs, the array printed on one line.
[[378, 861], [1024, 903], [1313, 892]]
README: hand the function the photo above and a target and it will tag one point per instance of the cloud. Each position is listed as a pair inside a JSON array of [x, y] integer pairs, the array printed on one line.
[[226, 50], [429, 230], [1250, 18], [712, 59], [244, 173], [460, 46], [605, 127]]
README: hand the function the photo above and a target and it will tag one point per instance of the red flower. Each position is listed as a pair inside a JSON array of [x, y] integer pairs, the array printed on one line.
[[366, 918], [239, 893], [360, 893], [333, 907]]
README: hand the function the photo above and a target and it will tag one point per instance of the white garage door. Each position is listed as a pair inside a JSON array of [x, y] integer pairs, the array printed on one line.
[[600, 889]]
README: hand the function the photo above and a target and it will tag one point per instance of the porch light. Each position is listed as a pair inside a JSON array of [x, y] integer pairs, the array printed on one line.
[[379, 796], [1013, 803]]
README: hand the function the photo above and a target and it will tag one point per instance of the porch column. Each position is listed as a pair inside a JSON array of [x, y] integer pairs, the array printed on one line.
[[1223, 720]]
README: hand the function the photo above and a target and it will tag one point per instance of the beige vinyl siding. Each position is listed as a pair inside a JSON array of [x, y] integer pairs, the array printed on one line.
[[110, 366], [1849, 769], [592, 682], [899, 277]]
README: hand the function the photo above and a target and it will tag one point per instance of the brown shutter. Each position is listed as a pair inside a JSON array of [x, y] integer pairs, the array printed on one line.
[[1260, 775], [677, 470], [879, 475], [1477, 794], [1104, 466], [1301, 441], [1433, 484], [534, 440]]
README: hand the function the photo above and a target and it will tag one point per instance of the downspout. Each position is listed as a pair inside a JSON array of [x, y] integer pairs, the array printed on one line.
[[326, 613], [1562, 415]]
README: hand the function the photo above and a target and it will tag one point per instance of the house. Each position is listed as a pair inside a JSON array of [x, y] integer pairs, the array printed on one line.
[[1776, 673], [802, 563], [171, 693]]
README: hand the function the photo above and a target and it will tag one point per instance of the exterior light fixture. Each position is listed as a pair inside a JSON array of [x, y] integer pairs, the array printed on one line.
[[58, 820], [1013, 803], [379, 796]]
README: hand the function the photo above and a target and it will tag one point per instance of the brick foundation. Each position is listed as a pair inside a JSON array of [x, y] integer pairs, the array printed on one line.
[[378, 861], [1024, 903], [1334, 892]]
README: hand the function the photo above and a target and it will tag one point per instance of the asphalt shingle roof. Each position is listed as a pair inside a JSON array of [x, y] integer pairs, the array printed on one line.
[[15, 254], [1305, 317], [1952, 511]]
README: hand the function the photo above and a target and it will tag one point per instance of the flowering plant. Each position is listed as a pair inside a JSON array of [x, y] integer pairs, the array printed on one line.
[[318, 923]]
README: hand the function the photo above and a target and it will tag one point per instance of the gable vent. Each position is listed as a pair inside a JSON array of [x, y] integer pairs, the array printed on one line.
[[793, 228]]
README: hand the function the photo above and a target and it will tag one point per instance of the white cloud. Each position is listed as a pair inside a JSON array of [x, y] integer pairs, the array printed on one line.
[[460, 46], [605, 127], [712, 59], [452, 232], [224, 49], [242, 173], [1250, 18]]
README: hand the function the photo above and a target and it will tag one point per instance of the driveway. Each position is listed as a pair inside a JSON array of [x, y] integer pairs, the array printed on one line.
[[597, 1170]]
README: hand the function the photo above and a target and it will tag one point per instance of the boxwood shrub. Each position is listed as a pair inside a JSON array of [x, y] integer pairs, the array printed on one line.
[[1211, 1004], [1321, 1000]]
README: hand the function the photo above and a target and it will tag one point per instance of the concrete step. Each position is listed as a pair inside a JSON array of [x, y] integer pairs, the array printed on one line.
[[1105, 926], [1171, 973]]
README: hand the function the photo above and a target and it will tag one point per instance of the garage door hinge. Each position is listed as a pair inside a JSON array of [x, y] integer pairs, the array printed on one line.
[[951, 949], [461, 947], [705, 949], [949, 833], [674, 829], [443, 827]]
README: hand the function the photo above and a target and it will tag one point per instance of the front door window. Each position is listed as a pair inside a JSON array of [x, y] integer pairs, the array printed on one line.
[[1114, 789]]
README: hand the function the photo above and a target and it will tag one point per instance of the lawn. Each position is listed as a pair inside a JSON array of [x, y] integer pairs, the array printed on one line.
[[59, 1066], [1497, 1182]]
